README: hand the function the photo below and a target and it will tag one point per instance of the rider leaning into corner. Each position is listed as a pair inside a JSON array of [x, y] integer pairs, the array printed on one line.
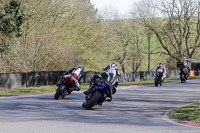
[[110, 77], [187, 69], [73, 76], [160, 68], [113, 73]]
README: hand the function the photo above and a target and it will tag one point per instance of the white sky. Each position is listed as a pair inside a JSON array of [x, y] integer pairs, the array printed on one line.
[[123, 6]]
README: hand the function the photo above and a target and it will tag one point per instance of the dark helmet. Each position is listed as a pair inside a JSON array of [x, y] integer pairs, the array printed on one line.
[[104, 76], [80, 66]]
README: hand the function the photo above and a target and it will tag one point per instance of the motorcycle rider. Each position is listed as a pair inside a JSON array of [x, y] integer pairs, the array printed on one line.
[[110, 77], [113, 73], [160, 68], [186, 68], [73, 76]]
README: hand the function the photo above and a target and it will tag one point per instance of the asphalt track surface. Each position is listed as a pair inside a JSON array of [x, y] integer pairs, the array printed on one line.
[[135, 109]]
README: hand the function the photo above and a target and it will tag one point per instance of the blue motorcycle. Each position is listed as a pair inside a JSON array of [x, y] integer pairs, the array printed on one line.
[[100, 93]]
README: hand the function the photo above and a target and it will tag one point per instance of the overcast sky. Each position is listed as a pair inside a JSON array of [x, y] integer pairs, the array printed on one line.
[[123, 6]]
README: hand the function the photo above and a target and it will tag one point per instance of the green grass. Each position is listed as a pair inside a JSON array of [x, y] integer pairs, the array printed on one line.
[[189, 113], [25, 91], [52, 89], [33, 90]]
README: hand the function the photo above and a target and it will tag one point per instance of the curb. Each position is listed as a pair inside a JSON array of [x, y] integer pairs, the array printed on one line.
[[190, 123], [177, 122]]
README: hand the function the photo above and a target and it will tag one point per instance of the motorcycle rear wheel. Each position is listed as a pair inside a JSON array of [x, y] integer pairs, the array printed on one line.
[[59, 91]]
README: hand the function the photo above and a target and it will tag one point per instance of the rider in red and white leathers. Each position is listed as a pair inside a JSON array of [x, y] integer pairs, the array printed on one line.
[[73, 76], [160, 68]]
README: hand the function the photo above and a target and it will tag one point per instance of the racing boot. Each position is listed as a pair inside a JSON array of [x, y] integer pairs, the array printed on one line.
[[109, 99], [114, 87], [90, 89], [76, 88]]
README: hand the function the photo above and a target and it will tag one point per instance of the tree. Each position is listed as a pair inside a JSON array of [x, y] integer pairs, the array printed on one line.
[[144, 10], [57, 35], [136, 47], [178, 28], [11, 19], [125, 45], [123, 39], [86, 34]]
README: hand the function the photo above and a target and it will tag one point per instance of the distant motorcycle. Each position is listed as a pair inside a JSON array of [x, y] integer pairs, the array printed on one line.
[[183, 75], [158, 78], [63, 89], [99, 94]]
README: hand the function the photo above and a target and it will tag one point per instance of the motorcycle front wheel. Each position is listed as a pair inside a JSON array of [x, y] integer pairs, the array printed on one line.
[[156, 81], [91, 102]]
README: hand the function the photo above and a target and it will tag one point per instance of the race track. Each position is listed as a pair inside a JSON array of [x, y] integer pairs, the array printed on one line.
[[136, 109]]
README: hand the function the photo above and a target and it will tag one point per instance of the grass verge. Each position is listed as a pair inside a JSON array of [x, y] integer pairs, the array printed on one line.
[[187, 113], [50, 89]]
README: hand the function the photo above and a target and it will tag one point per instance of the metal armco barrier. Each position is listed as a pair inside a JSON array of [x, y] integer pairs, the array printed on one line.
[[41, 78]]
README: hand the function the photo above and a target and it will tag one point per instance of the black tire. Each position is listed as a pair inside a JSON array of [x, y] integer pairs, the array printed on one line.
[[156, 82], [95, 99], [182, 78], [114, 90], [59, 91], [83, 104], [160, 81], [62, 96]]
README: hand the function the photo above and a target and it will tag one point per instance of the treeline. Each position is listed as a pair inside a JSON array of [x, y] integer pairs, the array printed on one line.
[[55, 35]]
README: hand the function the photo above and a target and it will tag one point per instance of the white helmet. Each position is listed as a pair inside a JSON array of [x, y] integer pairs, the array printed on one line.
[[114, 65], [185, 63]]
